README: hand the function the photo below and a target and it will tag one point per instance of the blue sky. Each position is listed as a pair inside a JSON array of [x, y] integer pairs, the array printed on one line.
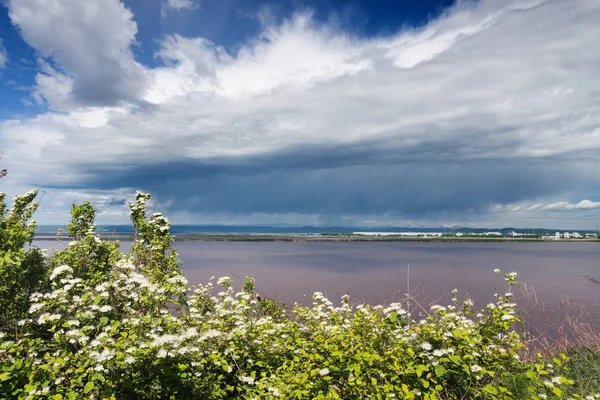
[[365, 113]]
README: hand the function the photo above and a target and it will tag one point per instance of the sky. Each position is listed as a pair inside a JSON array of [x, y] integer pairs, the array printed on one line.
[[306, 112]]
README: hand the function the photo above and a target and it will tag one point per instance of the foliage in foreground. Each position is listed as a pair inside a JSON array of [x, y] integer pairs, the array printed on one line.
[[89, 322]]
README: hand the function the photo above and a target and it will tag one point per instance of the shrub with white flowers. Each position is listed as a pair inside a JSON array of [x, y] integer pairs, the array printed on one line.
[[94, 323]]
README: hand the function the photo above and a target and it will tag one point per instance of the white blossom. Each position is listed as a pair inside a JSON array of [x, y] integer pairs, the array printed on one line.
[[223, 280], [426, 346], [475, 368], [247, 379], [60, 270]]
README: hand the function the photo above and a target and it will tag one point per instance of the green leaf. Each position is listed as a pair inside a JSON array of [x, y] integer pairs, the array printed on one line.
[[88, 387], [455, 359], [103, 321], [393, 316], [57, 397], [490, 389], [567, 381], [440, 370], [7, 258], [30, 387], [4, 376], [531, 374]]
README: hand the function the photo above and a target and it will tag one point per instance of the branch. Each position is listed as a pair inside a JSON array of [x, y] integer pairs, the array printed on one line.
[[2, 171]]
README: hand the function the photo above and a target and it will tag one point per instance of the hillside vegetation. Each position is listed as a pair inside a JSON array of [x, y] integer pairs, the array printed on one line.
[[91, 322]]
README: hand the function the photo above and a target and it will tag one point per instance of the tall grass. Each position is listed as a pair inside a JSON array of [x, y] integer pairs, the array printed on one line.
[[569, 329]]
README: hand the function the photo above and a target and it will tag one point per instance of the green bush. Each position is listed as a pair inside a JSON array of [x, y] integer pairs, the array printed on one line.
[[90, 322]]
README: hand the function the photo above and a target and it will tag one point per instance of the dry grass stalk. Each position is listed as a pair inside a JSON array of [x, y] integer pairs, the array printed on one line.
[[570, 327]]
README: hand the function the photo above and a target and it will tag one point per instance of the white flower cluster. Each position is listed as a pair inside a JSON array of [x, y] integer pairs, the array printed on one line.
[[60, 270], [162, 223], [127, 322]]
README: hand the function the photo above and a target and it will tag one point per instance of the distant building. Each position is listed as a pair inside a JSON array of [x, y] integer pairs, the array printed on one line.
[[519, 234], [576, 235], [566, 235], [557, 236], [406, 234], [459, 234]]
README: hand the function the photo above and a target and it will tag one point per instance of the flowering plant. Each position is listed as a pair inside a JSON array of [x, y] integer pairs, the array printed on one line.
[[90, 322]]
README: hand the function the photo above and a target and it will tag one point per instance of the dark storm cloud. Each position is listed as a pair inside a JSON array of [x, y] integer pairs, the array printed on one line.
[[365, 178]]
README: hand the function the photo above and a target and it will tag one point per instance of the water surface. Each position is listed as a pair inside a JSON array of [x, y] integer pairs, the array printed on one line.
[[376, 272]]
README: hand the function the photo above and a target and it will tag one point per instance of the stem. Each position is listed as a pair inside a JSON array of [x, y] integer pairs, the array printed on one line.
[[408, 293]]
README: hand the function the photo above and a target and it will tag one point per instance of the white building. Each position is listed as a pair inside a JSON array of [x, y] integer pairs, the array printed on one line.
[[406, 234], [566, 235]]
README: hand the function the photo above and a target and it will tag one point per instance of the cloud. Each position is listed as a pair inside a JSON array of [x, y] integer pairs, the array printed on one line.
[[483, 106], [3, 55], [535, 207], [97, 198], [564, 205], [298, 54], [459, 24], [179, 5], [584, 205], [85, 51]]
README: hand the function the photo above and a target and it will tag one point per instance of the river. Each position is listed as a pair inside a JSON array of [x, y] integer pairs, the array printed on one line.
[[377, 272]]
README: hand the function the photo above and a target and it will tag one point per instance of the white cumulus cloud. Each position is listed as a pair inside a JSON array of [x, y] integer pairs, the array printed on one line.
[[89, 44]]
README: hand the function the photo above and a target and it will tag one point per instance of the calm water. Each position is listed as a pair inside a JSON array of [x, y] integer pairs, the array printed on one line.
[[373, 272]]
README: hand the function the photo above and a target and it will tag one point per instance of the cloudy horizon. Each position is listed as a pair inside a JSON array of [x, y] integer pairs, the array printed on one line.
[[470, 113]]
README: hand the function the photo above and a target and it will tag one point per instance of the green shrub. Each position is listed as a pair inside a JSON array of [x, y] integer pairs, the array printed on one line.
[[22, 271], [90, 322]]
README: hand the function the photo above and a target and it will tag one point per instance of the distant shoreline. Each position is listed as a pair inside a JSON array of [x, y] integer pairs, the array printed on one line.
[[335, 239]]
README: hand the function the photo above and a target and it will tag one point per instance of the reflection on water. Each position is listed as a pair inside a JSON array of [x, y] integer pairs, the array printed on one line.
[[371, 272]]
